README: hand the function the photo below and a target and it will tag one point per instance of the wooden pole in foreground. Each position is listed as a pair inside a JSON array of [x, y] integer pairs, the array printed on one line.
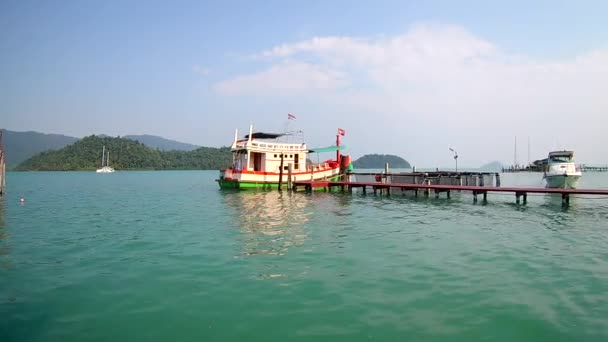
[[289, 172], [281, 172], [2, 166]]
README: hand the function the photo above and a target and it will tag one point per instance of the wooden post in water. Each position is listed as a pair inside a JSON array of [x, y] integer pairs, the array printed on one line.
[[385, 180], [2, 166], [565, 199], [289, 172], [386, 173], [281, 171]]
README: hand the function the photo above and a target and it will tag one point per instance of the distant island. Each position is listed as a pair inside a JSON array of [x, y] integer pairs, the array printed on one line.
[[492, 166], [125, 154], [20, 146], [162, 143], [377, 161]]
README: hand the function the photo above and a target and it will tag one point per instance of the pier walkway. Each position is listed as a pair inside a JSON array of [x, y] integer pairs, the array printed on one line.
[[520, 192]]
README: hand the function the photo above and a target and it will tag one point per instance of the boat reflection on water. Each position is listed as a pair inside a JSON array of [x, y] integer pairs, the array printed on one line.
[[271, 221]]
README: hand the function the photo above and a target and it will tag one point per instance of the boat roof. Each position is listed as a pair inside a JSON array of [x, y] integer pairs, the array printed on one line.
[[327, 149], [262, 135], [561, 154], [265, 135]]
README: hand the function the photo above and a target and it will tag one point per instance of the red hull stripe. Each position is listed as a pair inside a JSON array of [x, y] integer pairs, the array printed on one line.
[[245, 172]]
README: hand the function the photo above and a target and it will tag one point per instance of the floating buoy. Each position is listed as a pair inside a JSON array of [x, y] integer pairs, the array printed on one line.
[[22, 200]]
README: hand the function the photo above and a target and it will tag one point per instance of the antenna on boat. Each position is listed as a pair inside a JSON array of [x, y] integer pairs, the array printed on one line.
[[236, 136], [250, 133]]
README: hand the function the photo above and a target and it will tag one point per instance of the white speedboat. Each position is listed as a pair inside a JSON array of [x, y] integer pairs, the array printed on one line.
[[561, 172], [105, 162]]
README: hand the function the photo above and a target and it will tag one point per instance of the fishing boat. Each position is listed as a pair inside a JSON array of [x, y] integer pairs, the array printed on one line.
[[105, 165], [265, 160], [561, 172]]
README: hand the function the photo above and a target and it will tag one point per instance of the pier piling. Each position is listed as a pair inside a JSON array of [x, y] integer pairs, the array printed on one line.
[[289, 175], [565, 199], [281, 171], [2, 166]]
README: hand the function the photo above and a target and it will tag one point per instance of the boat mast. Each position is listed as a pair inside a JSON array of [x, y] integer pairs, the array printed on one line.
[[338, 147], [528, 150], [515, 153], [108, 158], [103, 154]]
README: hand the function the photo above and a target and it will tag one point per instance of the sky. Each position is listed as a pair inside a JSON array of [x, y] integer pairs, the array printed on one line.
[[409, 78]]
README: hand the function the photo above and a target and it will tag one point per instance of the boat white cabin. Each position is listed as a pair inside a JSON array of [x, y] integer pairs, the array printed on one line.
[[561, 171]]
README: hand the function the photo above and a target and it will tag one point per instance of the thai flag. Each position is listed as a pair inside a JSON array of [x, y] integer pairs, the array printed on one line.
[[341, 132], [290, 116]]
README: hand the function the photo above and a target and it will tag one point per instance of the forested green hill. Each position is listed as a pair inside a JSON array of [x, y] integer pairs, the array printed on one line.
[[377, 161], [125, 154]]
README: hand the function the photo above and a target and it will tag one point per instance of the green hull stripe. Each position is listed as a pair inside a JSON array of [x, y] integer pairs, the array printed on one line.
[[230, 184]]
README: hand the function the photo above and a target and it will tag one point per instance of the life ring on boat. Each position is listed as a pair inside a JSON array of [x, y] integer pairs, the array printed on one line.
[[378, 177]]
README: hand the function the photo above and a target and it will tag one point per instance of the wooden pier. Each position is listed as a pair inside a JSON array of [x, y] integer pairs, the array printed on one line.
[[537, 168], [521, 193], [590, 168]]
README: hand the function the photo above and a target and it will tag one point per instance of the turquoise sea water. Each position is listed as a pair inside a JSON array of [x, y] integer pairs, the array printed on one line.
[[157, 256]]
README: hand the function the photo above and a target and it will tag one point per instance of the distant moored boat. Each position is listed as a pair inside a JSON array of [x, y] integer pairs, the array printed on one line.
[[105, 168]]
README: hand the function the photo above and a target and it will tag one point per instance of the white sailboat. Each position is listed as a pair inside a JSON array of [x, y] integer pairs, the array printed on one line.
[[105, 168]]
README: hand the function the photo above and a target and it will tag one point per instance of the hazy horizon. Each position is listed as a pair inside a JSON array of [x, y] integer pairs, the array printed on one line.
[[401, 78]]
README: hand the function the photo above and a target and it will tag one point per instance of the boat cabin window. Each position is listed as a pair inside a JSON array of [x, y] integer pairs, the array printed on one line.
[[561, 159]]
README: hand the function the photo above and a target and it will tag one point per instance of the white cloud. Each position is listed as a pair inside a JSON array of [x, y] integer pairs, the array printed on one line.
[[283, 78], [442, 79]]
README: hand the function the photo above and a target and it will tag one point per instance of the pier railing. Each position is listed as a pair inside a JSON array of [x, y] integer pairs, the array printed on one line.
[[386, 184], [430, 178]]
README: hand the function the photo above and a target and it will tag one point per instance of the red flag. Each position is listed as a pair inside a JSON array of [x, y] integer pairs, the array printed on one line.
[[341, 132], [290, 116]]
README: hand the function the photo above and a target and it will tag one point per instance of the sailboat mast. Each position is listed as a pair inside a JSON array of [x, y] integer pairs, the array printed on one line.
[[103, 154], [108, 158], [528, 150], [515, 153]]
